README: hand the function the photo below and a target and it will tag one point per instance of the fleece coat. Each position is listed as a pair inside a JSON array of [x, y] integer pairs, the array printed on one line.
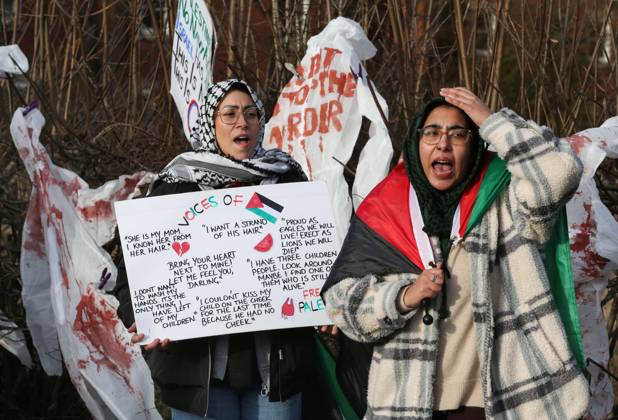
[[527, 368]]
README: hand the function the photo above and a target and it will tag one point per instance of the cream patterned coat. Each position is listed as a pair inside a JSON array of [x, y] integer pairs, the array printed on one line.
[[527, 369]]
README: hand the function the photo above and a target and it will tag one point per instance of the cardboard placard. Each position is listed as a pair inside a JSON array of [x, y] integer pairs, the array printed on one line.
[[225, 261]]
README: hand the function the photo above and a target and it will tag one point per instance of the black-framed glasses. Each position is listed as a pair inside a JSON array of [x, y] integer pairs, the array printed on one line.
[[229, 115], [432, 135]]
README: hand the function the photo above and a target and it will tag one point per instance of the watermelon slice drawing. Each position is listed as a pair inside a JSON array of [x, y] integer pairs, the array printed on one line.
[[265, 244]]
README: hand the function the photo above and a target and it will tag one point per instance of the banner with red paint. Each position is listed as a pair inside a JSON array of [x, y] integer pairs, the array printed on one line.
[[65, 274], [318, 116], [225, 261], [593, 233]]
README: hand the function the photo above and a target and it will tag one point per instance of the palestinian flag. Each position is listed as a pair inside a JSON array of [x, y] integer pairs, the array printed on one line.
[[382, 219], [264, 207], [388, 238]]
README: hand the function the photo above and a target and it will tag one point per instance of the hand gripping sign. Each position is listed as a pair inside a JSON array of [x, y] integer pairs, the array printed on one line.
[[225, 261]]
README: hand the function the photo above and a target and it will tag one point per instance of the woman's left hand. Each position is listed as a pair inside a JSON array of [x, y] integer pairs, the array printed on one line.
[[329, 329], [468, 102]]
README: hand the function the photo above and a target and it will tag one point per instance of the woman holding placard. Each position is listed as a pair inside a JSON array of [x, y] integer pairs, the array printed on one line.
[[442, 272], [249, 375]]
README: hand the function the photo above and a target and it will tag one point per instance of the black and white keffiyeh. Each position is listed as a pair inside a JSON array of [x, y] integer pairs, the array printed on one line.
[[209, 168]]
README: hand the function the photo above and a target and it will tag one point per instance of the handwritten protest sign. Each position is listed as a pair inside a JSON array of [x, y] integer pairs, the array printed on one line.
[[318, 116], [192, 57], [225, 261]]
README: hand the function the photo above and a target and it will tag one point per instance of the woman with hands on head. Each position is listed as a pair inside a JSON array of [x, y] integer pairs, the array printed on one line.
[[441, 271], [247, 375]]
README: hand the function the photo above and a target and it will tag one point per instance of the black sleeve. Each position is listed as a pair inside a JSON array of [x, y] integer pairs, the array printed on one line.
[[123, 294], [122, 291]]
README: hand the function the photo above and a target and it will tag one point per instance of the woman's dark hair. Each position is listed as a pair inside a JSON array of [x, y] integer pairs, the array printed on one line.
[[239, 87], [441, 102], [469, 123]]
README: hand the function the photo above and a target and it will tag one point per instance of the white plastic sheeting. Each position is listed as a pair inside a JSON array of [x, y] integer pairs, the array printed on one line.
[[593, 234], [64, 274], [318, 116], [12, 61]]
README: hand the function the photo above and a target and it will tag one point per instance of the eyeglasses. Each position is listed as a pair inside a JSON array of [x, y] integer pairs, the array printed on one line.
[[229, 115], [432, 135]]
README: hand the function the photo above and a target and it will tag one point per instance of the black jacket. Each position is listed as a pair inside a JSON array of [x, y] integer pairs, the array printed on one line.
[[183, 369]]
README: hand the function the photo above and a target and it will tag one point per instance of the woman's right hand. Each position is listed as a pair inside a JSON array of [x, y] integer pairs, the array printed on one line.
[[468, 102], [427, 285], [136, 338]]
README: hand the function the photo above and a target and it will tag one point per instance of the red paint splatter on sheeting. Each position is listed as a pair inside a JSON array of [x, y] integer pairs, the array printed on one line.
[[588, 226], [594, 264], [578, 142], [40, 203], [70, 188], [56, 212], [101, 209], [129, 185], [65, 278], [579, 294], [23, 152], [34, 240], [82, 363], [591, 262], [96, 326], [57, 225]]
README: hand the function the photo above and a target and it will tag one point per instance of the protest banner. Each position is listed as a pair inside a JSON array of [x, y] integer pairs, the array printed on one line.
[[192, 58], [65, 272], [225, 261], [318, 116], [593, 233]]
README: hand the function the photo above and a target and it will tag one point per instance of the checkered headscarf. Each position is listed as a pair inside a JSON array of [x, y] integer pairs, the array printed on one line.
[[210, 169], [203, 135]]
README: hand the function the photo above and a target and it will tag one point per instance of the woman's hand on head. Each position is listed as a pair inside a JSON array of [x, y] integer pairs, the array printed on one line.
[[427, 286], [468, 102], [136, 338]]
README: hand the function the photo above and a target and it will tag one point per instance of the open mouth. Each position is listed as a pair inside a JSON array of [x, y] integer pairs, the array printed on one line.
[[242, 141], [442, 167]]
